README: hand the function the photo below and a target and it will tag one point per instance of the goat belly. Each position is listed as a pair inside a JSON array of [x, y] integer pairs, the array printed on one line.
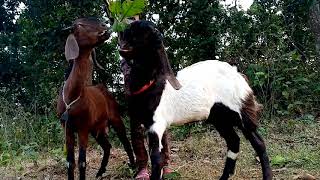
[[203, 84]]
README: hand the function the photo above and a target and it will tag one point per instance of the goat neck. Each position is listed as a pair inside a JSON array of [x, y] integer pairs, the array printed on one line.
[[81, 72]]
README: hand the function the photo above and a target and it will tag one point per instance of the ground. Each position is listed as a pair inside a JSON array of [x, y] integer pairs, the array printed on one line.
[[293, 147]]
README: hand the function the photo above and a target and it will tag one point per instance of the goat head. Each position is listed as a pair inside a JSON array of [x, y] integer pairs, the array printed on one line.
[[141, 44], [87, 33]]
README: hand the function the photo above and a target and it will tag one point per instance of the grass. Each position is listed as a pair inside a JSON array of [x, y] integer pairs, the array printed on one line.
[[293, 148]]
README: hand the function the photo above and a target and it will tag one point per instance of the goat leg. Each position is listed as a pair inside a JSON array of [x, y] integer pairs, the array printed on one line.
[[102, 140], [120, 129], [83, 142], [260, 148], [154, 156], [70, 140]]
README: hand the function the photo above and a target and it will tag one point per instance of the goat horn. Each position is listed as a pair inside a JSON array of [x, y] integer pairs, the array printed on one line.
[[95, 60]]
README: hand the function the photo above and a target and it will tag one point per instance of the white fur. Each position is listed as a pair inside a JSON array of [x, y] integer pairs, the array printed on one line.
[[232, 155], [203, 84]]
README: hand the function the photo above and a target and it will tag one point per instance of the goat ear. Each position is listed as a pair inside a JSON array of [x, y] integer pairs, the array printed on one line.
[[167, 68], [71, 49]]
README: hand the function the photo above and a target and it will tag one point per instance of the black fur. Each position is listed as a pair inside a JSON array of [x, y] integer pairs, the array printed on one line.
[[154, 155], [142, 64], [144, 61], [224, 119], [140, 67], [82, 163]]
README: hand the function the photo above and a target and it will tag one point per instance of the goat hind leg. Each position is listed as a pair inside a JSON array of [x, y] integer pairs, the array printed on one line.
[[102, 140], [233, 144], [120, 129], [260, 148]]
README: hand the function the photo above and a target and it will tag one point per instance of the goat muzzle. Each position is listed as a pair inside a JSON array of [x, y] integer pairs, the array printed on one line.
[[126, 53]]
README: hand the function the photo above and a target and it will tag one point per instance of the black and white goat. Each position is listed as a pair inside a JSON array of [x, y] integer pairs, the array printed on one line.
[[210, 90]]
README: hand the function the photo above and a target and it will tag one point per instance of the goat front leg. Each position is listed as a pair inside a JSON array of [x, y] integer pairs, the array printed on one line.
[[70, 140], [83, 142], [137, 138], [155, 134], [165, 154]]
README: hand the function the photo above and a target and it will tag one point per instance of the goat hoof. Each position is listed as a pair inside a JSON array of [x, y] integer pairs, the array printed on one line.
[[166, 171], [99, 174], [143, 174], [224, 177]]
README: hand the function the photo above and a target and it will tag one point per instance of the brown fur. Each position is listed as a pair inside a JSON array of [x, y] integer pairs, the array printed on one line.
[[250, 112], [95, 110]]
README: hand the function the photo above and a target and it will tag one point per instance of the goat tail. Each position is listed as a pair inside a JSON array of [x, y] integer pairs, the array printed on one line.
[[250, 112]]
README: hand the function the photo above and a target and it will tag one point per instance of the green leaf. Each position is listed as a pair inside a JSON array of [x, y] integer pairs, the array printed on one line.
[[131, 8], [115, 8], [119, 26], [120, 12], [278, 160], [260, 73], [285, 94]]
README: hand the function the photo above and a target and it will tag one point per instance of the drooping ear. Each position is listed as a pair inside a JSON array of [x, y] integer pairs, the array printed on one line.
[[71, 49], [168, 72]]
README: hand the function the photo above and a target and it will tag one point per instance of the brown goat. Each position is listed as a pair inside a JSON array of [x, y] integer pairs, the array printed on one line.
[[87, 109]]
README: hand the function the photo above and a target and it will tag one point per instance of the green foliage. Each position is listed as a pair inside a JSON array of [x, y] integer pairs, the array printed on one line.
[[120, 11], [26, 134], [271, 43], [278, 160]]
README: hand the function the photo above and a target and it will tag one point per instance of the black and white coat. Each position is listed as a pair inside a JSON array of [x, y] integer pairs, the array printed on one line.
[[209, 90]]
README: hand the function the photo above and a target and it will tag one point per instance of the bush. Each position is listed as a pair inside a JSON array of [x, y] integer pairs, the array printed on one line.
[[26, 133]]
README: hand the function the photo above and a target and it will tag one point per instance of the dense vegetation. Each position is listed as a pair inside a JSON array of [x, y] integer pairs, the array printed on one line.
[[275, 43]]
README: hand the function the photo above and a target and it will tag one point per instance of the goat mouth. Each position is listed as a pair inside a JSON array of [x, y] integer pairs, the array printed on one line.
[[102, 33], [126, 52]]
